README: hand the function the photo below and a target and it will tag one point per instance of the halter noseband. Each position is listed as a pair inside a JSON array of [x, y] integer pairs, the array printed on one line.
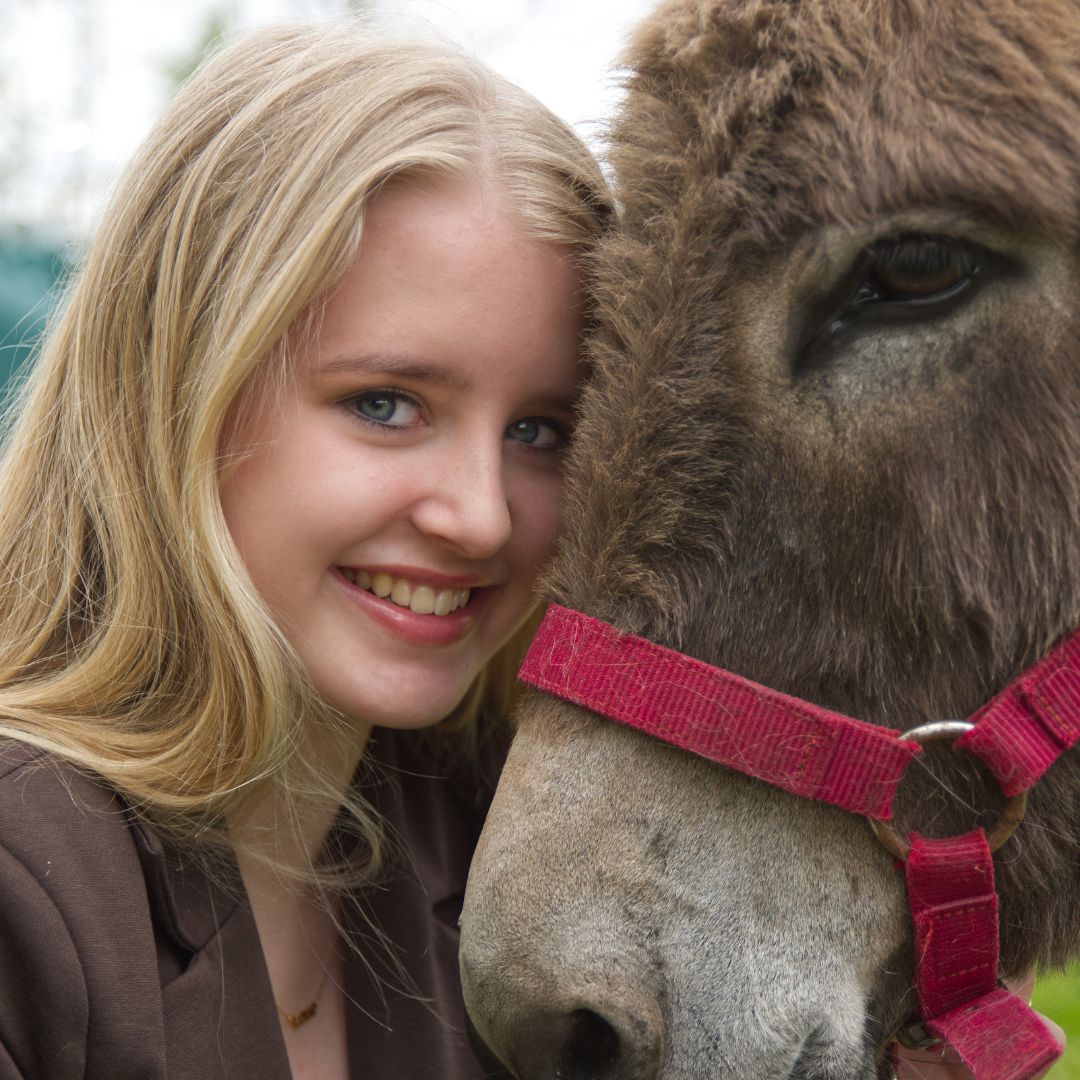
[[818, 754]]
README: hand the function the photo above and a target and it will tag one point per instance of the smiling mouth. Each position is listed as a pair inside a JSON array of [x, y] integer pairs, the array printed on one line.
[[417, 597]]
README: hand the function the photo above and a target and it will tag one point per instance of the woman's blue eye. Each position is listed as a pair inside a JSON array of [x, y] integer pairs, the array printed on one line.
[[386, 409], [538, 433]]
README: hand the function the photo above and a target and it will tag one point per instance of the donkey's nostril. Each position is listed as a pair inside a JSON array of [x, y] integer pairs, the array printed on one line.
[[591, 1048], [579, 1044]]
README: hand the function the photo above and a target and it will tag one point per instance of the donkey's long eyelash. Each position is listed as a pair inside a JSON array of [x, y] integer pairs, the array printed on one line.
[[899, 280]]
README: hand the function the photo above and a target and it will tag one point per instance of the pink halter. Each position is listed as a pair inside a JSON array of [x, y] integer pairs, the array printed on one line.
[[856, 766]]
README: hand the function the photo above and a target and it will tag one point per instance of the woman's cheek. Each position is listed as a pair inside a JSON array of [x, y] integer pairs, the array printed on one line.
[[541, 517]]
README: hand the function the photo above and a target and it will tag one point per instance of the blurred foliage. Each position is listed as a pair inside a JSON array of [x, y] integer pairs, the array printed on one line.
[[220, 20], [1058, 996], [216, 24], [16, 125]]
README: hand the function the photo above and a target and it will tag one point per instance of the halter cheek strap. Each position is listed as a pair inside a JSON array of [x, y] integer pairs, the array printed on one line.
[[818, 754], [954, 908], [782, 740]]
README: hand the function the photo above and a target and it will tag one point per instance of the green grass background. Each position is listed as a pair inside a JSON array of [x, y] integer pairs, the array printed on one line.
[[1058, 996]]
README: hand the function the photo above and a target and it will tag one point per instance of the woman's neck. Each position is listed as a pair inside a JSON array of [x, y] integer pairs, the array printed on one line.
[[282, 835], [278, 841]]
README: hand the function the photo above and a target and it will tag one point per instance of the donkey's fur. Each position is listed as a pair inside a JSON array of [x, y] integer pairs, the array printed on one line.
[[884, 520]]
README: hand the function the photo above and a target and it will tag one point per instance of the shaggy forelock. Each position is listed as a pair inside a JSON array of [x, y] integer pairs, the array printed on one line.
[[778, 115]]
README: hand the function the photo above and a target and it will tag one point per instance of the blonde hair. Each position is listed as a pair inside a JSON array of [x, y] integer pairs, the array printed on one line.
[[133, 642]]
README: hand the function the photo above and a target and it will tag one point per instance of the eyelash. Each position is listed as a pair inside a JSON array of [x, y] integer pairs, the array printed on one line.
[[353, 403], [561, 430]]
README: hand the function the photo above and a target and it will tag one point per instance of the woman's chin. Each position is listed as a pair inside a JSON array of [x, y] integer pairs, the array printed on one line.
[[409, 715]]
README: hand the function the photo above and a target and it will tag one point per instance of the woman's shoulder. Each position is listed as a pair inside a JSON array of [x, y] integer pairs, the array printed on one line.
[[77, 927], [29, 774], [62, 824], [95, 860]]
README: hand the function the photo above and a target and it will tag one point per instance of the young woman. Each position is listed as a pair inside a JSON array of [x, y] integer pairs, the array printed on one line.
[[273, 500]]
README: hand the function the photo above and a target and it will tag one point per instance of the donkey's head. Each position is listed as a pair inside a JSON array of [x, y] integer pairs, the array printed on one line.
[[831, 443]]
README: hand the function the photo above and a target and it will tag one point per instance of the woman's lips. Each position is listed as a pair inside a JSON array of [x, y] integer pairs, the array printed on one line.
[[423, 629]]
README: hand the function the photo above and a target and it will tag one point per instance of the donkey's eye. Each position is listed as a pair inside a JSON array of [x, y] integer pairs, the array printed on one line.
[[916, 269], [897, 280]]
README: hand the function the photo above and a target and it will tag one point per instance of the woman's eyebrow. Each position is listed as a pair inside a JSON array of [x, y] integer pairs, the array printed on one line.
[[400, 366], [406, 367], [557, 403]]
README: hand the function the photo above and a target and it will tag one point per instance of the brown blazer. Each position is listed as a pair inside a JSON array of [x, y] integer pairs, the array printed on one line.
[[118, 961]]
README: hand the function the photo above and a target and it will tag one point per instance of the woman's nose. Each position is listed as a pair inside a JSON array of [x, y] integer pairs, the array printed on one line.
[[467, 502]]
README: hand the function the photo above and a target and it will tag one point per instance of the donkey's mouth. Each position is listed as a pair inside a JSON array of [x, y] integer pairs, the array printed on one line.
[[492, 1066], [822, 1059]]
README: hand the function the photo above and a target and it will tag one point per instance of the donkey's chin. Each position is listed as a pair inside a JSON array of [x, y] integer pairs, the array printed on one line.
[[823, 1059]]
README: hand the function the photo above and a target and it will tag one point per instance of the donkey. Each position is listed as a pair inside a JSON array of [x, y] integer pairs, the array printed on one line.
[[831, 442]]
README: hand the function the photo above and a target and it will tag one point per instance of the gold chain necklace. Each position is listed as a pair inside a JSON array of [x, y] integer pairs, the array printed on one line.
[[299, 1019]]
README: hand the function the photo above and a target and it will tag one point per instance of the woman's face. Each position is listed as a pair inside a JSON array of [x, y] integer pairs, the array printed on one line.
[[405, 488]]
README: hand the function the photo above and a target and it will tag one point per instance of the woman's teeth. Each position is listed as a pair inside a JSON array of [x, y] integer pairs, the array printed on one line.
[[422, 599]]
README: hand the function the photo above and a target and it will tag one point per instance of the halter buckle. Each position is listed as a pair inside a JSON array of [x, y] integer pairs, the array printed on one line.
[[948, 731]]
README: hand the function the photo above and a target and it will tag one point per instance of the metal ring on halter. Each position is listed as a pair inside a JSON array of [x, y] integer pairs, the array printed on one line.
[[1012, 813], [915, 1037]]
